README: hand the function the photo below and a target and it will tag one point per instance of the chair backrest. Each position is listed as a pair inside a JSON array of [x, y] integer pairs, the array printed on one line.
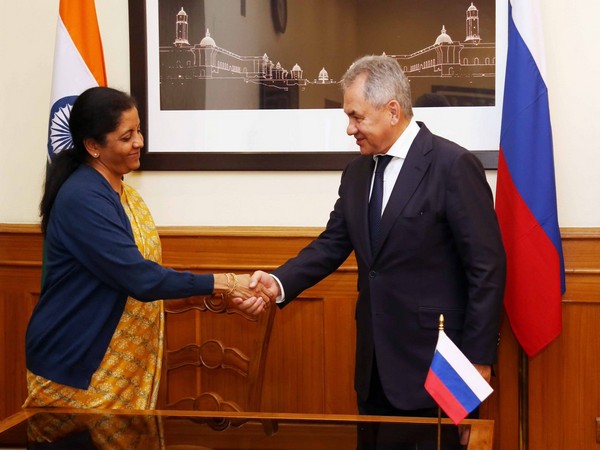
[[214, 356]]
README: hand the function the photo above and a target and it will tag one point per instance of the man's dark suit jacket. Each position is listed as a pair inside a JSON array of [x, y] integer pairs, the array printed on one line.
[[440, 252]]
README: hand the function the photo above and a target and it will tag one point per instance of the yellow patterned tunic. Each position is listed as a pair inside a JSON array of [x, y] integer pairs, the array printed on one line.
[[129, 374]]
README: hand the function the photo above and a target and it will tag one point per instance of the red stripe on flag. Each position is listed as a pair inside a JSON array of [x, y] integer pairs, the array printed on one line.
[[532, 297], [444, 398]]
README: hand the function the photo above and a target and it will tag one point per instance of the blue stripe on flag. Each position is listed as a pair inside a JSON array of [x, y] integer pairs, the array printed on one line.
[[455, 384]]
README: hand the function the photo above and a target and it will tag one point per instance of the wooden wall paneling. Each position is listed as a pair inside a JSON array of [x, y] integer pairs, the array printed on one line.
[[20, 245], [581, 248], [232, 248], [546, 424], [581, 381], [339, 339], [311, 357], [339, 342], [564, 382], [582, 287], [294, 378], [503, 405], [15, 307], [20, 276]]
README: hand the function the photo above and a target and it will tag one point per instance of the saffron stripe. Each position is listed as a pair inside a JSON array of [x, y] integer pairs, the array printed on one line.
[[80, 19]]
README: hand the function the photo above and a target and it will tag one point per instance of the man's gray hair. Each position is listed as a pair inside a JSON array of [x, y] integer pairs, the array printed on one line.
[[384, 81]]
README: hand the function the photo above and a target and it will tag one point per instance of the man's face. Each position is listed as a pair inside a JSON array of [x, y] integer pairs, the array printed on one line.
[[371, 127]]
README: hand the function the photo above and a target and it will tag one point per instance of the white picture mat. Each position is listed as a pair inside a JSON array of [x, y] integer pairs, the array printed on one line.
[[305, 130]]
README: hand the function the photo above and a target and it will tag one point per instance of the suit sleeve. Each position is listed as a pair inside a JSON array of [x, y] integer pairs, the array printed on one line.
[[474, 224], [321, 257], [92, 229]]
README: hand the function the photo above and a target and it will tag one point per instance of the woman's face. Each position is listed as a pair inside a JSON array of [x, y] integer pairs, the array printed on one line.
[[121, 152]]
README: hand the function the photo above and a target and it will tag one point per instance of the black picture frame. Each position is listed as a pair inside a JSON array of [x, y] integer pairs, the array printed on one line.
[[224, 161]]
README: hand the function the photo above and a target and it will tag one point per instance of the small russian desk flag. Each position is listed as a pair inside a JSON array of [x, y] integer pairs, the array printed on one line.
[[453, 382]]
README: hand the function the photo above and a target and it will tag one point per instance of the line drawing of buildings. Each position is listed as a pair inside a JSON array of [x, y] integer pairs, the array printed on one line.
[[206, 60], [448, 58], [445, 59]]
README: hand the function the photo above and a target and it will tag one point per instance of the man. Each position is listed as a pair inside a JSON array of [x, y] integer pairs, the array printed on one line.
[[437, 249]]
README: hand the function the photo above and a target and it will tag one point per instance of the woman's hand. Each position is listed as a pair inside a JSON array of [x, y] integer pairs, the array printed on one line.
[[237, 289]]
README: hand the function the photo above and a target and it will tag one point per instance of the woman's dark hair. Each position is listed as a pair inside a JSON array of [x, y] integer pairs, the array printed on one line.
[[95, 114]]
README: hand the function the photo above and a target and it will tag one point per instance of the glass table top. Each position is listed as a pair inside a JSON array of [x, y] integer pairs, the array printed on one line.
[[49, 429]]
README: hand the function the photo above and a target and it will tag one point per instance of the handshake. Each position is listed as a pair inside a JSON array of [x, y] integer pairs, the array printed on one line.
[[250, 294]]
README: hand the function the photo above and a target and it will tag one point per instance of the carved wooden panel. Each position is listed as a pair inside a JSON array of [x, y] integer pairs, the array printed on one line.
[[214, 356]]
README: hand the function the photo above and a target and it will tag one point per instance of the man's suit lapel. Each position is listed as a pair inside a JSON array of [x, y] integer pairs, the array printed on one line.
[[413, 170]]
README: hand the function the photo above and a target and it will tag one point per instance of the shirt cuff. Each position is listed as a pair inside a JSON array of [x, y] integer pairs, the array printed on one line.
[[281, 297]]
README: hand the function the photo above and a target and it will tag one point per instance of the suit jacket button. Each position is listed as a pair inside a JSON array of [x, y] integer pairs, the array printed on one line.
[[372, 274]]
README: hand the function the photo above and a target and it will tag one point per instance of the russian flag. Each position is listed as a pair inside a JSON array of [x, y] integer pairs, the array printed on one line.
[[453, 382], [526, 191], [78, 65]]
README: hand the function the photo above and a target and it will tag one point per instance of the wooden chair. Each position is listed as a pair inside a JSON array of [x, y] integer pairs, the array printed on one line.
[[214, 356]]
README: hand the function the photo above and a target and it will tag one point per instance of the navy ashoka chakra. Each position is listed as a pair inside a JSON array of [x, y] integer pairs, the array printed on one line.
[[59, 136]]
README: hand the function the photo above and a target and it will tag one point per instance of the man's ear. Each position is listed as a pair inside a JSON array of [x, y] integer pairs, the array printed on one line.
[[395, 111]]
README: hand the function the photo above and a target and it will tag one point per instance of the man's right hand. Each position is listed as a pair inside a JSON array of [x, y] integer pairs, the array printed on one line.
[[269, 283]]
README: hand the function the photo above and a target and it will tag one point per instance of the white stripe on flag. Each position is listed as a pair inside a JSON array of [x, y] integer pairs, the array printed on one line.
[[527, 18], [463, 367], [71, 75]]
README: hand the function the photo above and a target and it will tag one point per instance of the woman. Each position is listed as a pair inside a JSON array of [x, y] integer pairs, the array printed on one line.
[[95, 337]]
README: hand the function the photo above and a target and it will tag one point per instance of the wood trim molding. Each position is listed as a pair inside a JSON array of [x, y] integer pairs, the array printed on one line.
[[20, 228], [578, 262], [581, 248], [308, 232], [6, 228]]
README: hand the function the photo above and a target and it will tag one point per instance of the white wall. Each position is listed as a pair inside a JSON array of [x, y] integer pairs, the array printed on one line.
[[268, 198]]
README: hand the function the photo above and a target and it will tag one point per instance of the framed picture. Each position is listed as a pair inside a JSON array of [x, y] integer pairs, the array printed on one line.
[[254, 85]]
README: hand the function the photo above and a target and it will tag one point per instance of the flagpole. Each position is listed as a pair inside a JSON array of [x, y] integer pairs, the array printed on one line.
[[523, 400], [439, 422]]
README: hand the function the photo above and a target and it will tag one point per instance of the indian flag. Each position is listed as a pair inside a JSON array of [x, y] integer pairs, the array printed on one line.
[[78, 65]]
